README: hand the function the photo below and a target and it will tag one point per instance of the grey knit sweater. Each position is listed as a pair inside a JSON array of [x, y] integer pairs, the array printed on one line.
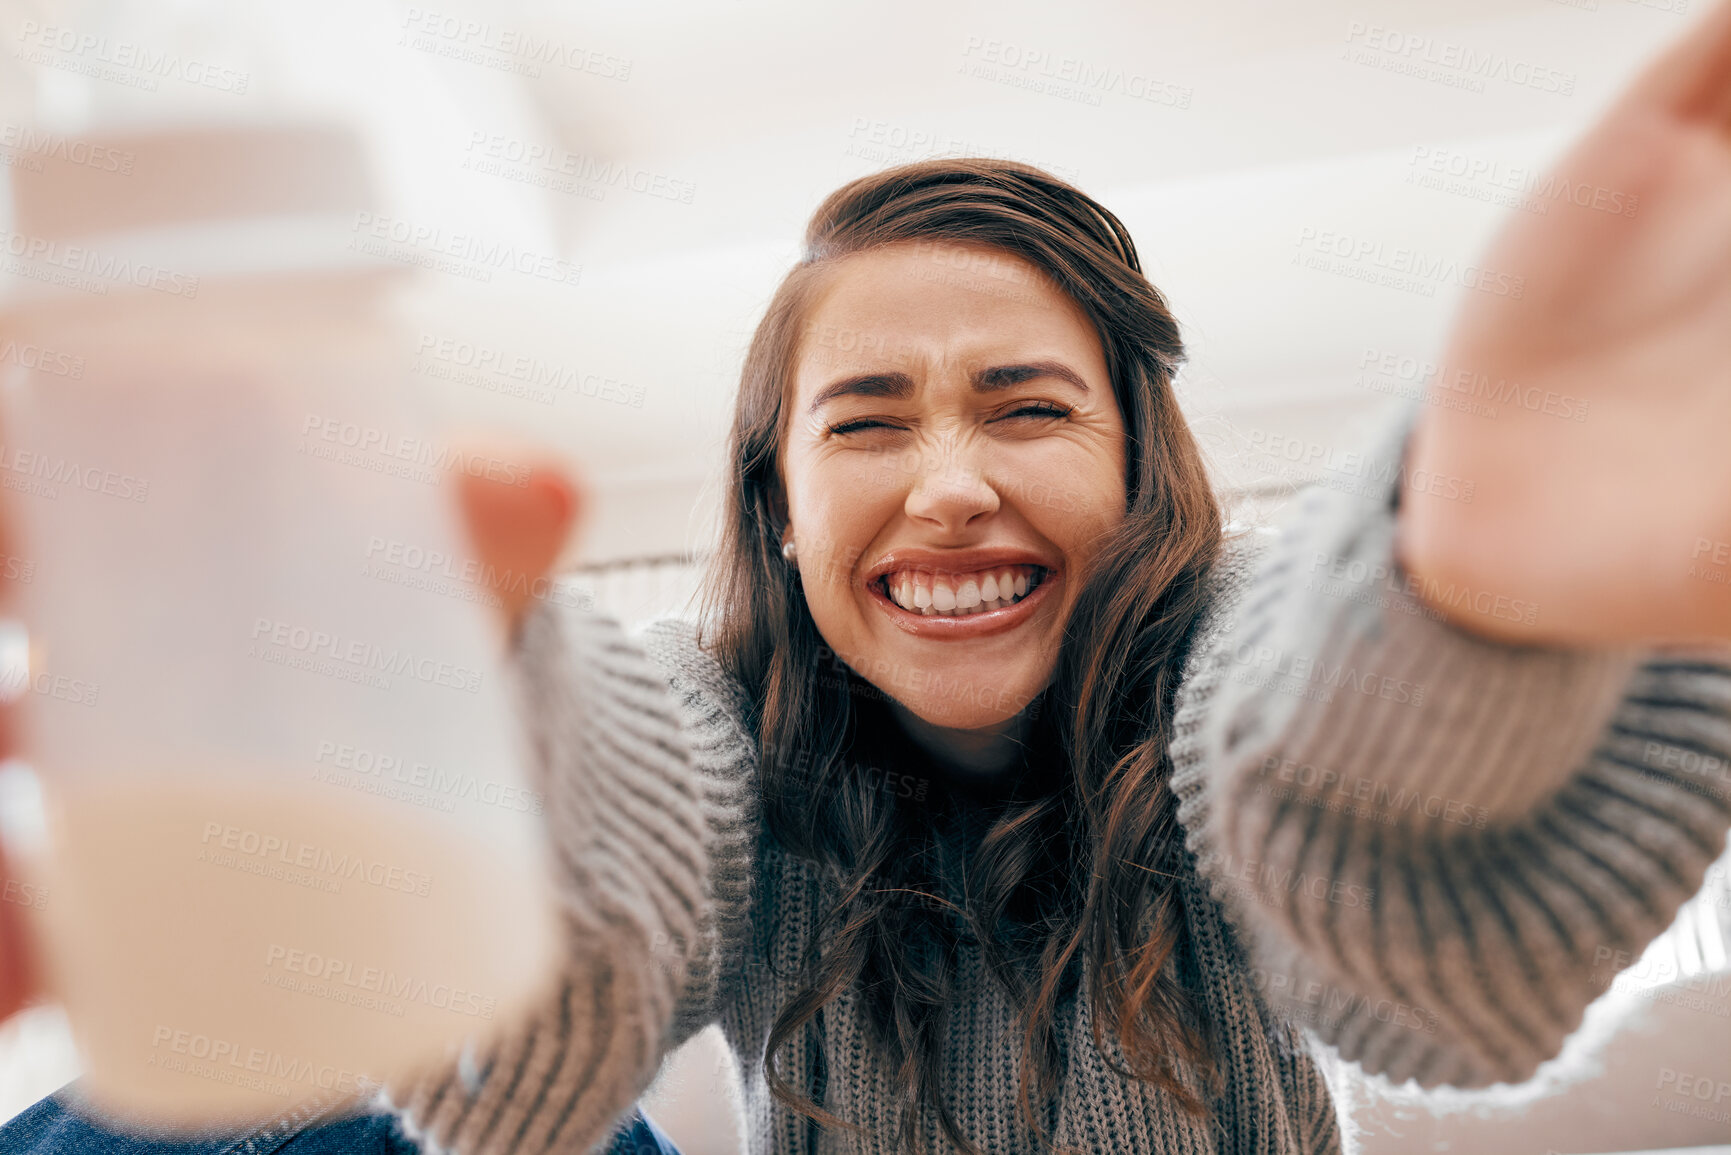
[[1403, 841]]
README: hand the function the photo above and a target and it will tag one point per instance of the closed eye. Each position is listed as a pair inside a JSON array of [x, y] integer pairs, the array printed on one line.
[[1031, 409], [859, 424], [1037, 409]]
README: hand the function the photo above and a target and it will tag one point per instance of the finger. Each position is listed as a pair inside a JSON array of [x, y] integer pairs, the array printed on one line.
[[519, 530], [1691, 79]]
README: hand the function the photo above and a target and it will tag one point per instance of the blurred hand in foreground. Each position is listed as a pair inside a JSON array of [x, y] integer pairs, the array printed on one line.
[[517, 532]]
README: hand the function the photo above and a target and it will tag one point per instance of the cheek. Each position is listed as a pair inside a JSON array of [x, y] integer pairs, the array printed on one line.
[[837, 506], [1071, 491]]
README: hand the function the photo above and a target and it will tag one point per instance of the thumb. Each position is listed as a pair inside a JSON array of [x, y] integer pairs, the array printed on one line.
[[518, 519]]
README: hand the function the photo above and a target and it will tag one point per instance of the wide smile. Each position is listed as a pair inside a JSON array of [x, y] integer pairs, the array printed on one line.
[[937, 604]]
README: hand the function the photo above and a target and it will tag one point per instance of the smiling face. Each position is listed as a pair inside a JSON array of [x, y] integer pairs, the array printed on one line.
[[952, 453]]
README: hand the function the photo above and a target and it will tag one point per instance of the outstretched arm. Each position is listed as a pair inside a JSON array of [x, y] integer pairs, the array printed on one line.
[[648, 802], [1439, 847], [1451, 764]]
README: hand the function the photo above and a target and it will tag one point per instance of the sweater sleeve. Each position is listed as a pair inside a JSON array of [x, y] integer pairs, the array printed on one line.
[[1438, 848], [647, 794]]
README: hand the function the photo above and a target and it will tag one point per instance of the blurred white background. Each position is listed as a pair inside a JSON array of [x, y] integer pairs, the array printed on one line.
[[661, 157]]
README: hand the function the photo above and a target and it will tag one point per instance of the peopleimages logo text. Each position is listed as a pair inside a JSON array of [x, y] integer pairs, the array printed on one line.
[[149, 64], [365, 655], [1370, 253], [339, 866], [1466, 62], [46, 254], [380, 981], [40, 144]]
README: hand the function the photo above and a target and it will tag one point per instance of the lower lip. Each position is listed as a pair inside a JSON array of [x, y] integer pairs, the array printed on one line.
[[977, 625]]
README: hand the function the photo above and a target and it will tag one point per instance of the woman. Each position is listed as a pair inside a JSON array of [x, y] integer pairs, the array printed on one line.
[[1001, 801], [1071, 867]]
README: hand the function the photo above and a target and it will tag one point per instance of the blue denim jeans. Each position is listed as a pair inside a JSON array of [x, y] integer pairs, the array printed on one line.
[[51, 1128]]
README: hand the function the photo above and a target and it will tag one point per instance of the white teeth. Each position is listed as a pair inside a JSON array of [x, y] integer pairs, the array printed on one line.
[[928, 594]]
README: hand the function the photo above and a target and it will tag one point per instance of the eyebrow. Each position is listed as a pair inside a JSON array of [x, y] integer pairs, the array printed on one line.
[[900, 385]]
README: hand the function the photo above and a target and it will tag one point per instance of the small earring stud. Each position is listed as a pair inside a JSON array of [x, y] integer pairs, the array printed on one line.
[[788, 550]]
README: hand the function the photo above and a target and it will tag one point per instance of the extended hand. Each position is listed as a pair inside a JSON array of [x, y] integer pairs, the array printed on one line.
[[1618, 526]]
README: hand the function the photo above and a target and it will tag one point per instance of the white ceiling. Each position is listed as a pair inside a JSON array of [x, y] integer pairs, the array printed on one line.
[[760, 107]]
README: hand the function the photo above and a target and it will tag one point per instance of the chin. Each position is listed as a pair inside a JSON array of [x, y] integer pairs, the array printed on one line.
[[975, 703]]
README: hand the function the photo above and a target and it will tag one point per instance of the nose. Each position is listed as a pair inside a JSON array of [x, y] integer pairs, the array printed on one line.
[[950, 491]]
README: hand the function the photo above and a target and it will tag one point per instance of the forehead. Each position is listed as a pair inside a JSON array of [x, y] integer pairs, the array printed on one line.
[[928, 300]]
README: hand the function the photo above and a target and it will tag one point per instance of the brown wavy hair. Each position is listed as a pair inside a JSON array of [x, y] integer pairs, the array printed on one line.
[[1067, 866]]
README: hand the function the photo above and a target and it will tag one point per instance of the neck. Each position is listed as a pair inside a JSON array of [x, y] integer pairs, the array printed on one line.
[[970, 756]]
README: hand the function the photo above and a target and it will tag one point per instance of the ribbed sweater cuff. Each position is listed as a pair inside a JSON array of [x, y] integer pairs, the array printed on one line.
[[628, 837]]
